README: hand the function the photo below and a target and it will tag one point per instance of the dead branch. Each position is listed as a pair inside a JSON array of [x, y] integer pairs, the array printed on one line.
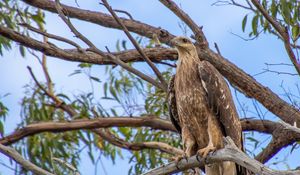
[[12, 153], [229, 153]]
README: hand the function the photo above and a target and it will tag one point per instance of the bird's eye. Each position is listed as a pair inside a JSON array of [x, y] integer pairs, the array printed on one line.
[[184, 40]]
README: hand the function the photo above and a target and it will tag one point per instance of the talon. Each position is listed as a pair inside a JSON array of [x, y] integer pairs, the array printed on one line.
[[204, 151], [177, 159]]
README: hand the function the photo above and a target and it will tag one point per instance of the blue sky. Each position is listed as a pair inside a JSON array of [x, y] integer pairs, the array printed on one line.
[[218, 24]]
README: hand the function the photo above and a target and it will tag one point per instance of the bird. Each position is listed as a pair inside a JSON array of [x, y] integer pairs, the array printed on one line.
[[201, 108]]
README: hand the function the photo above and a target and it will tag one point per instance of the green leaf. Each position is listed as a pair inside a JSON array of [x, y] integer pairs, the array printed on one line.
[[295, 32], [22, 50], [286, 12], [113, 93], [118, 46], [244, 22], [114, 112], [95, 79], [1, 129], [274, 9], [124, 44], [85, 65], [254, 24], [105, 89]]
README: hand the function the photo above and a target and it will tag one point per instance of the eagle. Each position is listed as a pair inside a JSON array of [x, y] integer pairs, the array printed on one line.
[[202, 109]]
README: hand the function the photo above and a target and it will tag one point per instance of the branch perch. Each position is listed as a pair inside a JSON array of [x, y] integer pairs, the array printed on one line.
[[229, 153]]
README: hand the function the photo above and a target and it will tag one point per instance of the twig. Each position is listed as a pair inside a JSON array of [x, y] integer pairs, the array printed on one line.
[[232, 2], [283, 33], [98, 51], [229, 153], [71, 167], [199, 35], [126, 13], [58, 102], [12, 153], [72, 28], [113, 139], [59, 38], [136, 45]]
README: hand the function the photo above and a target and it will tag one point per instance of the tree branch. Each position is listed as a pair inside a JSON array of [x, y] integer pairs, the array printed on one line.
[[234, 75], [199, 35], [238, 78], [12, 153], [36, 128], [137, 46], [104, 19], [282, 32], [49, 35], [93, 48], [113, 139], [229, 153]]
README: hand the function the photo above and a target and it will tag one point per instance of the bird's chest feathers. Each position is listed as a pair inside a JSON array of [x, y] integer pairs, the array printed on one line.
[[189, 89]]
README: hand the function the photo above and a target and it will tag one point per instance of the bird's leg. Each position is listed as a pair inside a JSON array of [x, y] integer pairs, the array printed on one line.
[[188, 145], [215, 137]]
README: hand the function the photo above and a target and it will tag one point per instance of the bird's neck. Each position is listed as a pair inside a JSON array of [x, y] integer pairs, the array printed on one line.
[[188, 58]]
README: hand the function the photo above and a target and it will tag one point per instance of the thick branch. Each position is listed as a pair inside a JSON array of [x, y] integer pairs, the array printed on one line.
[[11, 153], [282, 136], [236, 76], [36, 128], [229, 153], [104, 19], [155, 54]]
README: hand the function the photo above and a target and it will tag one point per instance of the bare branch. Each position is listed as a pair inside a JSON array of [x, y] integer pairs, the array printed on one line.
[[98, 51], [199, 35], [68, 165], [12, 153], [36, 128], [137, 46], [229, 153], [59, 38], [248, 85], [113, 139], [283, 135], [104, 19]]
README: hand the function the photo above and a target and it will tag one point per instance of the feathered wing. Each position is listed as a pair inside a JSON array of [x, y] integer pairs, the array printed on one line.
[[172, 105], [221, 102]]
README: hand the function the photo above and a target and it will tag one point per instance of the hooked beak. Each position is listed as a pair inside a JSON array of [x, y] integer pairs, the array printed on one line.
[[174, 42]]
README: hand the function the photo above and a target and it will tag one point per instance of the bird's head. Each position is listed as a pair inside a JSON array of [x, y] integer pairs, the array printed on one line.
[[183, 45]]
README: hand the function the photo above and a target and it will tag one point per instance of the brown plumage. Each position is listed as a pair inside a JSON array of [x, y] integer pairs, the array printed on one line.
[[202, 109]]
